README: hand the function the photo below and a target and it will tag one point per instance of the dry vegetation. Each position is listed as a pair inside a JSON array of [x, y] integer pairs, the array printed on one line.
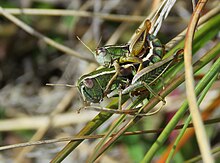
[[32, 111]]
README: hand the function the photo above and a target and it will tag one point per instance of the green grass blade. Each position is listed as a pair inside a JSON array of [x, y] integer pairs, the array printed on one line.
[[187, 122], [171, 125]]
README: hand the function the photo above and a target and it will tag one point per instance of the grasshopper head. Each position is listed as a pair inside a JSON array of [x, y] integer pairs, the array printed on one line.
[[103, 57], [90, 89]]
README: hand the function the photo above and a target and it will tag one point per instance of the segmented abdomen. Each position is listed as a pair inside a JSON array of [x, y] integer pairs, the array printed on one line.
[[152, 76], [154, 52]]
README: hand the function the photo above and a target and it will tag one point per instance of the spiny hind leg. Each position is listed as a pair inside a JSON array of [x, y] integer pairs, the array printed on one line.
[[157, 96], [150, 113], [109, 110], [154, 93]]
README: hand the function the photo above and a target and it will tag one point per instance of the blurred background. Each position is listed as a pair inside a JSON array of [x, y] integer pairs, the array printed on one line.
[[30, 110]]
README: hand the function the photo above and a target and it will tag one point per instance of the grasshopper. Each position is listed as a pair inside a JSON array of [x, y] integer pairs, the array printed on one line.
[[144, 48], [148, 76], [92, 85], [109, 54]]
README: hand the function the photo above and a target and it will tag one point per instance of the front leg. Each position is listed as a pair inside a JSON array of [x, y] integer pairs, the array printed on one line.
[[117, 70], [132, 60]]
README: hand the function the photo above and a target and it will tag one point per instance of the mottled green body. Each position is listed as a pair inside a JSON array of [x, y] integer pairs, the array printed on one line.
[[151, 74], [143, 50], [152, 52], [106, 55], [92, 85]]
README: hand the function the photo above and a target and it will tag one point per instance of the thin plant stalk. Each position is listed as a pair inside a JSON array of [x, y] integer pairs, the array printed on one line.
[[179, 114], [202, 138], [39, 35], [187, 122]]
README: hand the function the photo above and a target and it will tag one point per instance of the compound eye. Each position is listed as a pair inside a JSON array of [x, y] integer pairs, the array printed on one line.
[[88, 83], [101, 51]]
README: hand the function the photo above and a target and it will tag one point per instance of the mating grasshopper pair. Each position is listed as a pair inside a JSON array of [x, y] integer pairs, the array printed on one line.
[[93, 85], [123, 68], [143, 49]]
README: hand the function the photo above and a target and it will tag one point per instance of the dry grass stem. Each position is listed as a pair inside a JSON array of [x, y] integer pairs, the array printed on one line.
[[41, 142], [37, 122], [39, 35], [190, 90], [78, 13], [202, 20], [118, 32], [44, 128]]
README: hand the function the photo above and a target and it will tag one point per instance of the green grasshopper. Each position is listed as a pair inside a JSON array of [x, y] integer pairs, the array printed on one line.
[[93, 85], [148, 76], [144, 48]]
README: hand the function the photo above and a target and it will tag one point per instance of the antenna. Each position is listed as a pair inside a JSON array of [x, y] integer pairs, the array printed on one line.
[[99, 41], [67, 85], [86, 45]]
